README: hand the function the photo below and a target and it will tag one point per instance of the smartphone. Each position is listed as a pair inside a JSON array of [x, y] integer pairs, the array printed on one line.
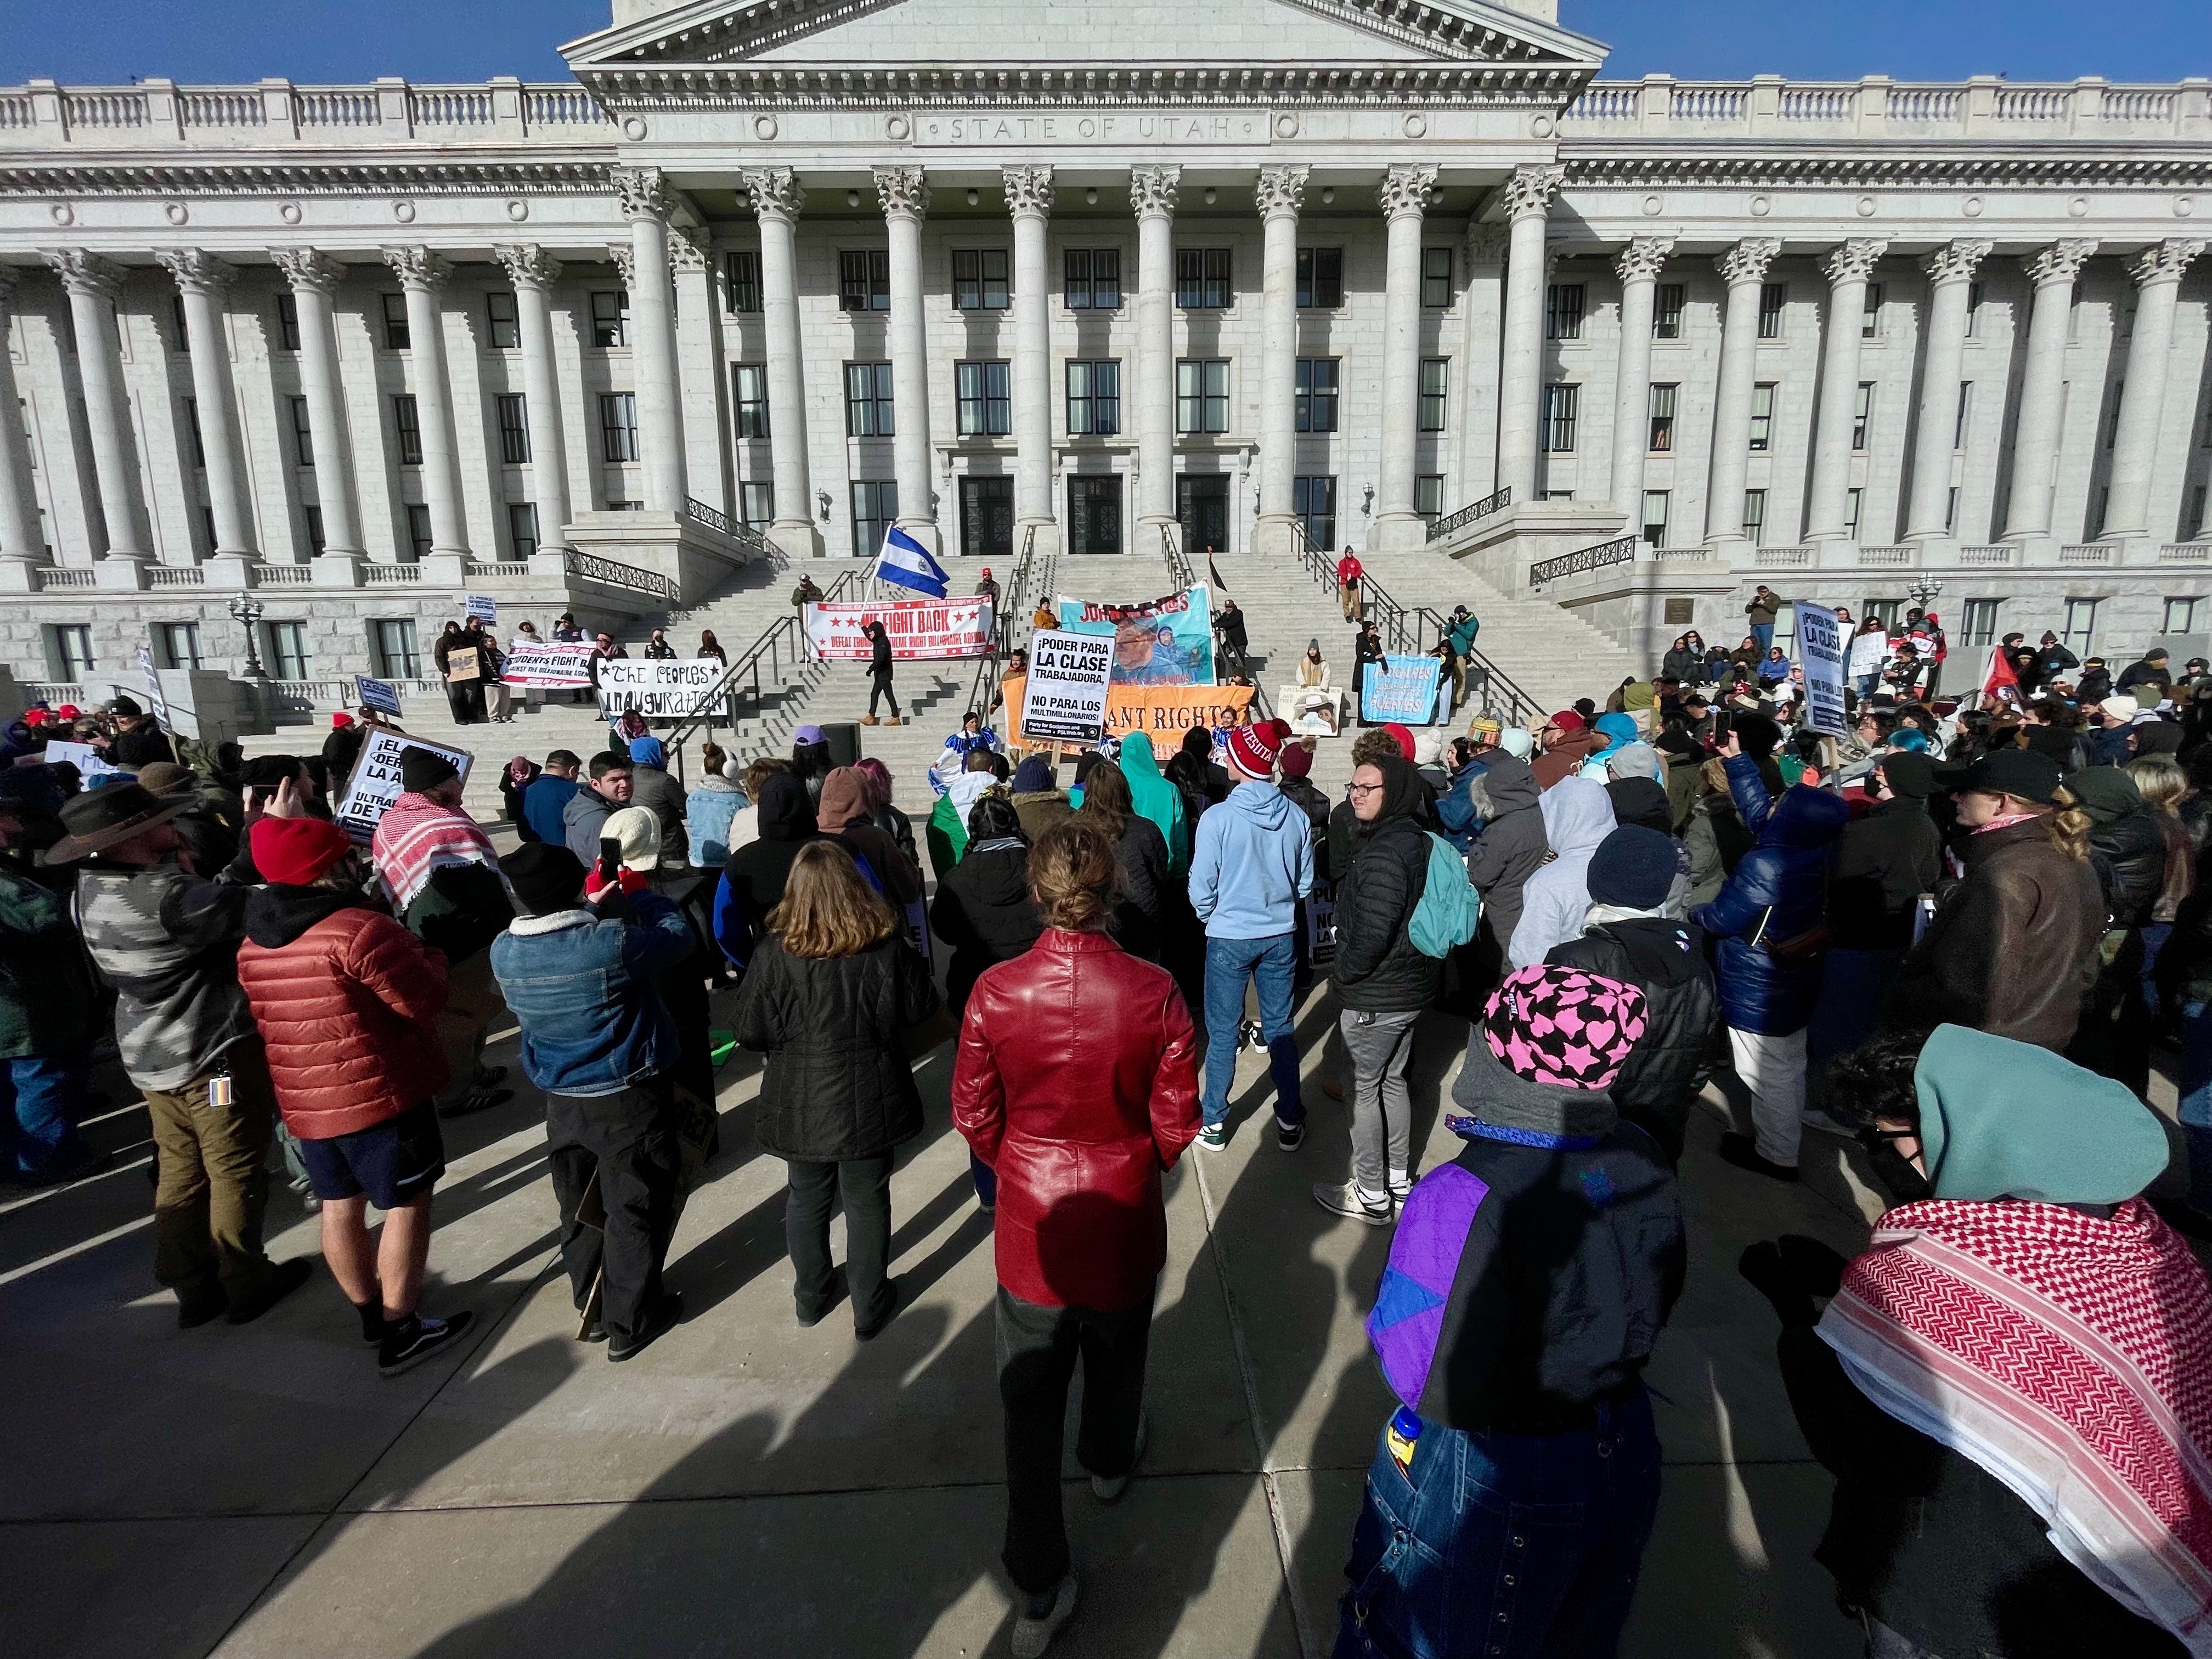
[[1721, 718], [609, 858]]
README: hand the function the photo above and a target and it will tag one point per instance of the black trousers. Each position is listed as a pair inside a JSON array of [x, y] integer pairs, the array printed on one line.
[[864, 1185], [1037, 1350], [880, 685], [630, 1141]]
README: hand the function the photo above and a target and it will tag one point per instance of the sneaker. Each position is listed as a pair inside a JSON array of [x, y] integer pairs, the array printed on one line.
[[1255, 1038], [1825, 1124], [1214, 1136], [489, 1076], [1109, 1490], [288, 1278], [666, 1313], [1331, 1088], [1041, 1618], [1346, 1200], [407, 1342], [1290, 1136], [1402, 1188], [1743, 1151]]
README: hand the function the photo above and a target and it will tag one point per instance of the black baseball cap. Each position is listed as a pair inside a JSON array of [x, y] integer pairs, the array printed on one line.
[[2019, 772]]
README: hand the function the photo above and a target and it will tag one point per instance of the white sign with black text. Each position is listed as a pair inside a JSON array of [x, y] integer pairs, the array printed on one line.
[[1821, 658], [1065, 698], [375, 783], [659, 690]]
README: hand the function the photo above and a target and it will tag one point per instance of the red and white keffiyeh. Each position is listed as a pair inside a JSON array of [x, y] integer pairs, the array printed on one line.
[[416, 836], [2069, 1356]]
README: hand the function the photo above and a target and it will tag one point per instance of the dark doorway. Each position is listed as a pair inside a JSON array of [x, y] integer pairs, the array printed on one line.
[[1094, 514], [987, 518], [1202, 506]]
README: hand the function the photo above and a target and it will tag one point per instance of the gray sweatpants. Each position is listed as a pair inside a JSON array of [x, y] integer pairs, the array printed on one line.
[[1381, 1047]]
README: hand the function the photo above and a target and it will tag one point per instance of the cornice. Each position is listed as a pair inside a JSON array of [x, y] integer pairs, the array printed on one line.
[[317, 178], [2080, 169]]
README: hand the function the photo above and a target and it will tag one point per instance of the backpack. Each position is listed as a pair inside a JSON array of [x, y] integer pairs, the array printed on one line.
[[1449, 908]]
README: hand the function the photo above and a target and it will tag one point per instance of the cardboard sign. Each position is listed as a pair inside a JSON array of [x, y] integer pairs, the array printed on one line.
[[1820, 655], [382, 695], [659, 691], [919, 629], [1164, 641], [1064, 694], [480, 606], [1161, 710], [548, 667], [1401, 689], [374, 784], [464, 663], [90, 764]]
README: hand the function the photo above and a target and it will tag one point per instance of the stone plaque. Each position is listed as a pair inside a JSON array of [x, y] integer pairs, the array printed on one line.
[[1678, 612], [1166, 130]]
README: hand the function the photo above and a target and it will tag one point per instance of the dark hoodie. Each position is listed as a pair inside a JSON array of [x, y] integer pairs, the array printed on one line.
[[984, 912], [758, 870], [1666, 961], [1885, 860], [1378, 971], [277, 914]]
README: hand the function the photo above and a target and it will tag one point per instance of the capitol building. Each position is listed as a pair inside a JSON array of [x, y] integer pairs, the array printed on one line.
[[769, 276]]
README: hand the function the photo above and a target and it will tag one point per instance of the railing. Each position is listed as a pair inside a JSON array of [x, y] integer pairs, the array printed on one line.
[[1888, 555], [701, 513], [562, 106], [1179, 570], [283, 576], [1991, 553], [390, 575], [336, 106], [53, 693], [500, 569], [274, 111], [612, 573], [99, 110], [2087, 553], [756, 544], [1015, 603], [222, 107], [784, 636], [52, 577], [1781, 558], [2185, 553], [176, 576], [1877, 107], [1474, 513], [1605, 554], [452, 107]]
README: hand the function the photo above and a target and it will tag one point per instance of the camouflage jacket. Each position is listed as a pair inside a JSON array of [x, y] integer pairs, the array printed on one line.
[[168, 943]]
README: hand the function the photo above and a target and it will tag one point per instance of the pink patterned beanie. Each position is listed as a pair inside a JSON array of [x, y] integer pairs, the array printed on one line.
[[1563, 1026]]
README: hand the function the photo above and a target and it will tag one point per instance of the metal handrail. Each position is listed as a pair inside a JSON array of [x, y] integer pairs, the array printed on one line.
[[1179, 570], [983, 692], [713, 516], [1474, 513], [613, 573], [781, 634], [1619, 550]]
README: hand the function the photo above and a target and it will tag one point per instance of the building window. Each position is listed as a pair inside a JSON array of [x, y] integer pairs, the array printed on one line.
[[2112, 414], [1321, 280], [1773, 297], [1435, 392], [1429, 496], [1560, 403], [407, 426], [1871, 319], [420, 538], [73, 650], [1963, 424], [1655, 518], [287, 322], [2192, 522], [1980, 620], [2080, 632], [1666, 313], [756, 503], [1663, 419], [617, 426], [1563, 311], [505, 325], [2096, 524], [514, 428], [396, 658], [303, 436], [192, 431], [1754, 517], [1314, 408], [1094, 398], [291, 650], [1973, 310], [1861, 417], [207, 529], [1888, 612], [2180, 616], [1202, 395], [30, 437], [1436, 278], [396, 336], [979, 279], [868, 411], [1852, 501], [982, 402], [1094, 279], [610, 318], [1762, 417], [875, 508], [741, 278], [521, 529], [749, 381], [1202, 278], [313, 514], [1314, 500], [180, 642]]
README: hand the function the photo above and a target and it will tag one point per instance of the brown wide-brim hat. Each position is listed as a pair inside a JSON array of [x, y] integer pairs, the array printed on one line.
[[100, 818]]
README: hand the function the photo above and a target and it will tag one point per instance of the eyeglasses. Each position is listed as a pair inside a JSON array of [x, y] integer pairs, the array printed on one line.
[[1364, 788]]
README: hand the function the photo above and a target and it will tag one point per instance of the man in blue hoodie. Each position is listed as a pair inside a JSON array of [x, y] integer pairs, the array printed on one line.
[[1250, 864]]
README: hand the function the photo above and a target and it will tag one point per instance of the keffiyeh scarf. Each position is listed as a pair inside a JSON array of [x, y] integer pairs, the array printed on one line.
[[416, 837]]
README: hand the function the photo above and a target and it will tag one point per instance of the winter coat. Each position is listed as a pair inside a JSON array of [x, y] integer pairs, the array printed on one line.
[[1564, 758], [581, 984], [707, 813], [1684, 664], [983, 911], [1458, 819], [582, 818], [1578, 815], [1041, 810], [345, 996], [653, 788], [1666, 961], [544, 806], [1156, 798], [1140, 862], [1782, 883], [1252, 863], [753, 880], [1884, 862], [1716, 840], [48, 1005], [1512, 846], [2129, 855], [838, 1082], [167, 942], [880, 655], [1076, 1083], [1377, 968], [460, 911]]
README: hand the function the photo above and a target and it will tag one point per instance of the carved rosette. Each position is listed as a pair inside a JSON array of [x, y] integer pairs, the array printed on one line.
[[528, 265], [1282, 191], [1153, 190], [1643, 258], [1404, 191], [2166, 261], [641, 192], [1748, 261], [688, 250], [1529, 192], [417, 267], [776, 193], [902, 192], [194, 269], [622, 257], [308, 269], [2061, 262], [83, 273], [1029, 190], [1853, 262], [1956, 262], [1486, 244]]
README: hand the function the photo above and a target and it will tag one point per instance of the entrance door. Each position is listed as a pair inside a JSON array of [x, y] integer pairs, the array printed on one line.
[[987, 518], [1202, 505], [1094, 514]]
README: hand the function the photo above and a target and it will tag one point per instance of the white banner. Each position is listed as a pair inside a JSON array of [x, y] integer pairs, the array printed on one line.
[[90, 764], [917, 629], [659, 691], [1820, 656], [1065, 697], [548, 667], [375, 783]]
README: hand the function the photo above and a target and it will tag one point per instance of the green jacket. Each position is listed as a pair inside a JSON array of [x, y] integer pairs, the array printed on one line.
[[48, 1003], [1463, 634]]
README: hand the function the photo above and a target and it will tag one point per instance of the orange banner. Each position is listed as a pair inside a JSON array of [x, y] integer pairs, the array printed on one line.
[[1172, 709]]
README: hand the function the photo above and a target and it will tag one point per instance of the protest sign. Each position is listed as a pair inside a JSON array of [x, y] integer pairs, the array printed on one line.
[[1163, 710], [548, 667], [481, 607], [375, 783], [1164, 641], [380, 695], [1064, 694], [659, 690], [154, 691], [90, 764], [917, 629], [1820, 656], [1401, 689]]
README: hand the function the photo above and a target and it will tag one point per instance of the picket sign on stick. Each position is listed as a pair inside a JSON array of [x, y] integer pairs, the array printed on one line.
[[375, 782]]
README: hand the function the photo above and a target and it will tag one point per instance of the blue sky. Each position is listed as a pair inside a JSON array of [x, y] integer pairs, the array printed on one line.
[[350, 40]]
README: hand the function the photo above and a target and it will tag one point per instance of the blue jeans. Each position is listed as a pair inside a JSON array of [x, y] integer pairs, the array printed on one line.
[[1518, 1546], [1764, 633], [1270, 962], [47, 1095], [2155, 934]]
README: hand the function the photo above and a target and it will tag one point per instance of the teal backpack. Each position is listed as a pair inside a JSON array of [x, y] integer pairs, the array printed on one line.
[[1449, 908]]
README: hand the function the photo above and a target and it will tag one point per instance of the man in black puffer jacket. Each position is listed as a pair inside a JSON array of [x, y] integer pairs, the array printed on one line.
[[1626, 938]]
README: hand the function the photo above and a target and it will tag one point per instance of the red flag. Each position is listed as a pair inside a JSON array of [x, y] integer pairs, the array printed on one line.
[[1999, 682]]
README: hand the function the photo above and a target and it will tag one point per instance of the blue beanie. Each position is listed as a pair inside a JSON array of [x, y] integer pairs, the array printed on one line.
[[648, 751], [1633, 867]]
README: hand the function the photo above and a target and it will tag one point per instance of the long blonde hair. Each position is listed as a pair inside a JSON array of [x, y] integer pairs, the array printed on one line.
[[2067, 826], [829, 909], [2160, 781]]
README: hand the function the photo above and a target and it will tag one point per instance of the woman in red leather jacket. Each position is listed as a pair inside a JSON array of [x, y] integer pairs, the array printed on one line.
[[1075, 1082]]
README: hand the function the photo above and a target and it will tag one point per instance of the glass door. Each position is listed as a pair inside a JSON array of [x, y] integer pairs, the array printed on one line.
[[1094, 514], [987, 518], [1202, 506]]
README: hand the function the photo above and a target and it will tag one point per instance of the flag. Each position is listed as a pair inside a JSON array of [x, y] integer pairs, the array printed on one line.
[[906, 562], [2000, 684]]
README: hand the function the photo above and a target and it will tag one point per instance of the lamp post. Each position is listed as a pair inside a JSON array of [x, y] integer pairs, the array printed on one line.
[[1924, 591], [247, 613]]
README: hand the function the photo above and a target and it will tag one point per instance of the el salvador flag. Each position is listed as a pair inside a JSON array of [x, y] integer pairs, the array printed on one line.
[[906, 562]]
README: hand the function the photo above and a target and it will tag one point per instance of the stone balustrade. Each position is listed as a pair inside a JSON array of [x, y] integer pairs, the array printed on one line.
[[160, 114], [1769, 106]]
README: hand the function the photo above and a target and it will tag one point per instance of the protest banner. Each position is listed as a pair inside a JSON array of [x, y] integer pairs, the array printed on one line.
[[1064, 694], [382, 695], [481, 607], [919, 629], [1400, 689], [1163, 710], [548, 667], [659, 690], [1820, 656], [90, 764], [154, 691], [375, 782], [1164, 641]]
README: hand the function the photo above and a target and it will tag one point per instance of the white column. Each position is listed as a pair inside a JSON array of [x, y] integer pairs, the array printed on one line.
[[1950, 272], [91, 283], [2157, 271], [533, 272], [904, 193], [702, 372], [20, 537], [1281, 193], [1028, 198], [1639, 266], [1528, 196], [313, 277], [643, 195], [2043, 388], [1482, 324], [1848, 268], [777, 197], [201, 280], [1403, 194], [1153, 197], [1743, 268], [422, 275]]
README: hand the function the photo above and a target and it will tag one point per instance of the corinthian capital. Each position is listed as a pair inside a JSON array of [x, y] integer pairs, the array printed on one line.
[[1153, 190], [417, 267], [1643, 258], [2061, 262], [902, 192], [776, 193], [641, 192], [1748, 261], [308, 269], [528, 265], [1282, 191], [1029, 190], [1405, 189], [1486, 244], [1956, 262], [688, 250], [195, 270], [1853, 262], [1529, 192], [622, 256], [2166, 261], [83, 273]]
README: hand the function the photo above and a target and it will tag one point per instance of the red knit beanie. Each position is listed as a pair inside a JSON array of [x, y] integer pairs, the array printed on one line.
[[295, 851], [1403, 739], [1567, 720], [1254, 748]]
